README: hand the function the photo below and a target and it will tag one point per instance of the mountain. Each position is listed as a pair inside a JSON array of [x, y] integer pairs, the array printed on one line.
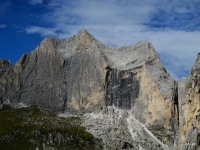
[[117, 91]]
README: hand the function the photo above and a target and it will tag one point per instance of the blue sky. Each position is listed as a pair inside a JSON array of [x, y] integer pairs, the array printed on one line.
[[172, 26]]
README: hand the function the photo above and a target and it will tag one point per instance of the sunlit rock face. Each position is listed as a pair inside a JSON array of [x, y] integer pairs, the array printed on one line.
[[189, 99], [80, 74], [62, 75]]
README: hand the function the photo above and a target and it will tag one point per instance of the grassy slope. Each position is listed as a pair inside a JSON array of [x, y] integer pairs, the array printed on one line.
[[31, 128]]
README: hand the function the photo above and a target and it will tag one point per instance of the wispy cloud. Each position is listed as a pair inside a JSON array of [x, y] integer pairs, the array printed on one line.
[[34, 2], [2, 26], [41, 30], [171, 26], [174, 65]]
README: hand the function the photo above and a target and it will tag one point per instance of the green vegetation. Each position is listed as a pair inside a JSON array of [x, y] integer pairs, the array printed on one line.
[[31, 128]]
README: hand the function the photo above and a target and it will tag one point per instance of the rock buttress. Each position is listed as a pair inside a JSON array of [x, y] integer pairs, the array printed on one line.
[[189, 99]]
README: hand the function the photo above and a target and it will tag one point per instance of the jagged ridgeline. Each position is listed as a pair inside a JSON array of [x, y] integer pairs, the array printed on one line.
[[80, 75]]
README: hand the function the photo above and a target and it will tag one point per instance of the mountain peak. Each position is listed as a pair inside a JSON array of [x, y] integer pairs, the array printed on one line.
[[198, 58], [83, 30], [84, 38], [83, 33]]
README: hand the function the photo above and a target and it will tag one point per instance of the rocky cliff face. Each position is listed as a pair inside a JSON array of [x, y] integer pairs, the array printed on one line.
[[189, 97], [81, 75], [4, 66], [59, 75]]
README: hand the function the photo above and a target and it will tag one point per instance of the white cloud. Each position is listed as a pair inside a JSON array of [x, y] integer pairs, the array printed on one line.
[[171, 26], [42, 31], [2, 26], [33, 2]]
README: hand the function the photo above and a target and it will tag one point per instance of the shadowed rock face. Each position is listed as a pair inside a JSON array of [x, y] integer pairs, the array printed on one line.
[[80, 74], [122, 88], [4, 65]]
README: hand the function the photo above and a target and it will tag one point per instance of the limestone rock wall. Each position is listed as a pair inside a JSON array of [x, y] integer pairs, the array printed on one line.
[[137, 90], [80, 74], [122, 88], [156, 110], [189, 97], [10, 85], [7, 79], [62, 75], [4, 65], [83, 72], [40, 78]]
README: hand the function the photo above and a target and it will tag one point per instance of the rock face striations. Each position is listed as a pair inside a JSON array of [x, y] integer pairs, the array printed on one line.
[[81, 75], [189, 99]]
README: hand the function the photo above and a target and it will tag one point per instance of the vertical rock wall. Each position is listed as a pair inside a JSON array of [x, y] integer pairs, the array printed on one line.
[[189, 116], [84, 77], [10, 85], [4, 66], [40, 76], [122, 88], [154, 109]]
